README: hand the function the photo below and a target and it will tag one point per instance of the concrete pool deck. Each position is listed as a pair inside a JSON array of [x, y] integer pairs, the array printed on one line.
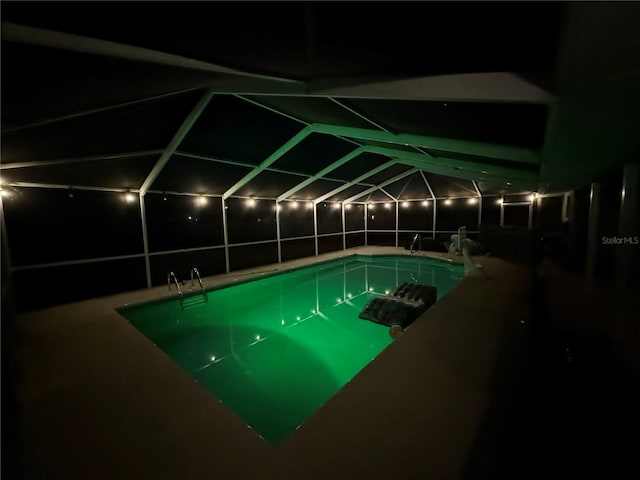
[[99, 400]]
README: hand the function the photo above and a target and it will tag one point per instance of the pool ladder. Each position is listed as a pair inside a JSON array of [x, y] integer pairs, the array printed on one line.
[[194, 271], [202, 290], [170, 276], [413, 244]]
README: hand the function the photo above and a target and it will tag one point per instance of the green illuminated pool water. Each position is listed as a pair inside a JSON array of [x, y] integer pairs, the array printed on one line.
[[274, 350]]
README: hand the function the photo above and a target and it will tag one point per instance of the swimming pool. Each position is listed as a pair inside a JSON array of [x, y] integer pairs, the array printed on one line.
[[275, 349]]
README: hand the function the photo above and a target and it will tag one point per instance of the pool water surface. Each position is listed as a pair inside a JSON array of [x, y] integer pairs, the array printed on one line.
[[275, 349]]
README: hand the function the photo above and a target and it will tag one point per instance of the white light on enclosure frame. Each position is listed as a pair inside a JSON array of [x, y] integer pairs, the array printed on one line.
[[129, 197]]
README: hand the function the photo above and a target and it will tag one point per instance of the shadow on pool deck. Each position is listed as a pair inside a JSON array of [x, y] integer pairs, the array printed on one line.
[[575, 413]]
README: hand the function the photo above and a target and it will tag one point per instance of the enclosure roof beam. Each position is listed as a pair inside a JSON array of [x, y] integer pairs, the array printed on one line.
[[427, 183], [71, 116], [481, 149], [64, 161], [57, 186], [356, 181], [400, 176], [296, 139], [475, 185], [526, 183], [321, 173], [358, 114], [78, 43], [388, 194], [176, 140], [406, 184], [494, 87], [422, 160]]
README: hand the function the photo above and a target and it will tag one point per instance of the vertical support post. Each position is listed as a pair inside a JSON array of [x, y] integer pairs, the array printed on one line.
[[396, 223], [4, 241], [434, 204], [145, 240], [628, 225], [225, 232], [565, 202], [592, 232], [344, 230], [475, 185], [530, 221], [539, 209], [572, 234], [6, 283], [278, 231], [182, 132], [315, 225], [502, 211]]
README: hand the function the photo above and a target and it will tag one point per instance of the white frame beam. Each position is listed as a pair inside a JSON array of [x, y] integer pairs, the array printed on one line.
[[64, 161], [66, 41], [475, 185], [293, 141], [357, 180], [338, 163], [225, 233], [389, 181], [627, 226], [176, 140], [433, 197], [592, 232], [145, 240], [83, 113]]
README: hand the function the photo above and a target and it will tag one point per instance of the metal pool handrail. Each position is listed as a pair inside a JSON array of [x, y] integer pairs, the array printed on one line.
[[415, 239], [175, 279], [204, 293]]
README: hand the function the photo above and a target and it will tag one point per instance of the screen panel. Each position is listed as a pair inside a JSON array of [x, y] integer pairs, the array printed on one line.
[[250, 220], [354, 216], [182, 221], [55, 225], [248, 256], [296, 219], [329, 217], [234, 129], [292, 249], [330, 243]]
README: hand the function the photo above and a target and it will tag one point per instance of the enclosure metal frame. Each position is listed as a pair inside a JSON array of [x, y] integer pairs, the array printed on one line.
[[418, 161]]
